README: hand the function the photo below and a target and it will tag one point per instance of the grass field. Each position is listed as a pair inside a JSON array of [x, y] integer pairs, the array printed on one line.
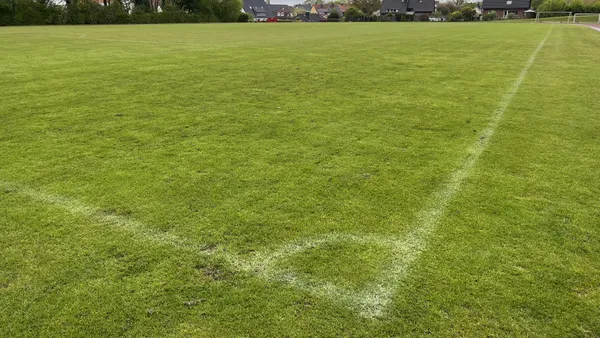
[[300, 180]]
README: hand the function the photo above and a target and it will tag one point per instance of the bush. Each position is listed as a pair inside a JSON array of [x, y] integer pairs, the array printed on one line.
[[243, 17], [512, 16], [353, 14], [577, 6], [421, 18], [447, 8], [490, 16], [468, 13], [552, 5], [402, 17], [455, 16], [224, 10], [333, 15]]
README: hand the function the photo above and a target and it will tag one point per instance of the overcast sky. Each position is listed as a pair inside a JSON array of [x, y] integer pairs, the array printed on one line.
[[286, 2]]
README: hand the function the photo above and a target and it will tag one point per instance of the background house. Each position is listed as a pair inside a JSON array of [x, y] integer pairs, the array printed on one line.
[[408, 7], [313, 13], [304, 7], [326, 9], [259, 9], [324, 12], [505, 7], [283, 12]]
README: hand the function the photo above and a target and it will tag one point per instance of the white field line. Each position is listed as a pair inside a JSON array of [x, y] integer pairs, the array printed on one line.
[[368, 301], [264, 264], [594, 28], [140, 231], [429, 218], [371, 301]]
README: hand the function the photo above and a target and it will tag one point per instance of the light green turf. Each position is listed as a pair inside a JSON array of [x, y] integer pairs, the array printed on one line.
[[244, 138]]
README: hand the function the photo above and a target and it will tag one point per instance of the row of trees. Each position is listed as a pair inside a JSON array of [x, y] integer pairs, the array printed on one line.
[[575, 6], [77, 12], [457, 10]]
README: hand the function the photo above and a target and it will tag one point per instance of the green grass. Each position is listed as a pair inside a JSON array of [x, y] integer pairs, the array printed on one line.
[[555, 19], [350, 264], [142, 166]]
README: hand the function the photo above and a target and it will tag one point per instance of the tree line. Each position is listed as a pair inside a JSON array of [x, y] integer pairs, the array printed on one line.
[[80, 12], [460, 10], [575, 6]]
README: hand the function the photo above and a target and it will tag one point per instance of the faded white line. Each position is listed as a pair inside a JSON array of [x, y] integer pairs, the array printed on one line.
[[595, 28], [429, 218], [138, 229], [371, 301]]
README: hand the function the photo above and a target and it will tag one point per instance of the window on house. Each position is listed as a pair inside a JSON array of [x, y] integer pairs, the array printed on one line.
[[509, 2]]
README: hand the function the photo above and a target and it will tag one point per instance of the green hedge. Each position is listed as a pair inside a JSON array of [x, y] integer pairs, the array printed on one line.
[[575, 6], [87, 12]]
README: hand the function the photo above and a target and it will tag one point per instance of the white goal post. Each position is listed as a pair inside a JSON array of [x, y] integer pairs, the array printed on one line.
[[554, 16], [586, 18]]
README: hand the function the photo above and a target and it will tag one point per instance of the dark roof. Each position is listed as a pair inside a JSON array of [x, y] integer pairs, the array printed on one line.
[[287, 10], [421, 5], [403, 6], [302, 18], [258, 8], [506, 4], [316, 18], [399, 6]]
